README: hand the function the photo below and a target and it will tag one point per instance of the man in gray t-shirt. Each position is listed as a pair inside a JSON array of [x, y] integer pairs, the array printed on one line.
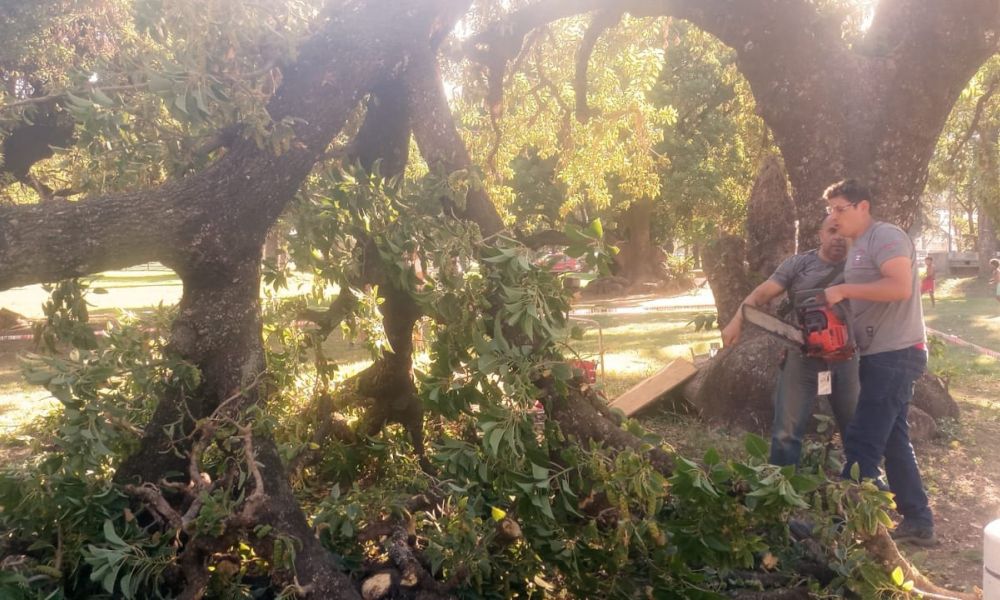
[[798, 384], [882, 287]]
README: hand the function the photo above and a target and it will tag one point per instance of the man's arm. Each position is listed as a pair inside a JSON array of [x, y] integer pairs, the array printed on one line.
[[896, 284], [761, 295]]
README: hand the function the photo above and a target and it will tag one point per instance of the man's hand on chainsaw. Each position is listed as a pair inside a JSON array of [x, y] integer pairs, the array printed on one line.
[[834, 294]]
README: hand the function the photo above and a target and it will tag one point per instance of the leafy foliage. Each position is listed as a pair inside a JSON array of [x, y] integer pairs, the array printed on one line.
[[518, 508]]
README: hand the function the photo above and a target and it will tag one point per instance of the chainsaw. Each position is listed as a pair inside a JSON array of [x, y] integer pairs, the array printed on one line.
[[822, 333]]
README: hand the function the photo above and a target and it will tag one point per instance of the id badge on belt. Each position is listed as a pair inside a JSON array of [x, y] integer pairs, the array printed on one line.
[[825, 383]]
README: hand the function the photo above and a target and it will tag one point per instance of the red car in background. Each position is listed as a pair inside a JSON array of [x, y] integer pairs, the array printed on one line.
[[558, 262]]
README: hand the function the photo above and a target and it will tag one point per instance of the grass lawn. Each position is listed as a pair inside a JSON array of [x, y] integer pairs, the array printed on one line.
[[966, 307], [638, 345]]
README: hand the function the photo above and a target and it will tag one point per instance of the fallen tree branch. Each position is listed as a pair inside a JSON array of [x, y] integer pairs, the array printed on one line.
[[883, 549]]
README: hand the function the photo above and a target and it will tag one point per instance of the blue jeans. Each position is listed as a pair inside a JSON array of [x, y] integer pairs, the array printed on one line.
[[879, 429], [795, 399]]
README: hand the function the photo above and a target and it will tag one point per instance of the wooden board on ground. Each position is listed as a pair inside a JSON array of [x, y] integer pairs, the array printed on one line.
[[653, 387]]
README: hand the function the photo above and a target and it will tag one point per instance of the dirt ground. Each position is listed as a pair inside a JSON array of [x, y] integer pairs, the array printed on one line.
[[962, 474]]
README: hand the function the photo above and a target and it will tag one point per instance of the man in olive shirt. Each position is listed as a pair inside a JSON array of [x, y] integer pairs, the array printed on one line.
[[798, 383], [882, 286]]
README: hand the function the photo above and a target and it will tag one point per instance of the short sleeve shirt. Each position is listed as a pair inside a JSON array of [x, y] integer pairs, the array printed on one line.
[[884, 326], [805, 271]]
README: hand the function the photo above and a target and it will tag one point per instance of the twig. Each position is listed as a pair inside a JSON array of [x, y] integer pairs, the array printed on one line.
[[152, 496], [258, 493], [56, 96], [981, 104]]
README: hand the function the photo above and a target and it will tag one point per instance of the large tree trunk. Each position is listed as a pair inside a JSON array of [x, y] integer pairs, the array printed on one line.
[[770, 231], [724, 262], [638, 257]]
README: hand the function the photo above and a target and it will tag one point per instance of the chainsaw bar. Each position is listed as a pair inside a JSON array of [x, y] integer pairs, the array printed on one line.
[[783, 330]]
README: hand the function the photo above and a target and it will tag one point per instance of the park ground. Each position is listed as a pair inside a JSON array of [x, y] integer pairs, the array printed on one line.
[[638, 335]]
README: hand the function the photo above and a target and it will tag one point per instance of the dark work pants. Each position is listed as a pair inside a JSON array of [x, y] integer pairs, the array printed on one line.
[[879, 428]]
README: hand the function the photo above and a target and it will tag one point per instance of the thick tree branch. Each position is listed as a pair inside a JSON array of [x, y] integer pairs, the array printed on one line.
[[914, 62], [602, 22], [548, 237], [977, 115], [439, 141], [327, 320], [179, 222], [882, 547]]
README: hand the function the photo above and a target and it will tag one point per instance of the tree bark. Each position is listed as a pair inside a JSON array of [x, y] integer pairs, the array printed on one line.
[[724, 262], [638, 256], [987, 194], [770, 233], [29, 143]]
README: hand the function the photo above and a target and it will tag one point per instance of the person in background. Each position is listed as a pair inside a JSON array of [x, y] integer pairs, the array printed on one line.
[[798, 383], [927, 283], [882, 286]]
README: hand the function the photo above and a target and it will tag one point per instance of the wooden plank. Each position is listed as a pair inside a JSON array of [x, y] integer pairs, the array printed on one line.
[[653, 387]]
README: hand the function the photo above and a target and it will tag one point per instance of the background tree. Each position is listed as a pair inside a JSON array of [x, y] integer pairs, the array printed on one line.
[[964, 166]]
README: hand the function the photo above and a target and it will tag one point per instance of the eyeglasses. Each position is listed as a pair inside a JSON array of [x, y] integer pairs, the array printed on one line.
[[839, 209]]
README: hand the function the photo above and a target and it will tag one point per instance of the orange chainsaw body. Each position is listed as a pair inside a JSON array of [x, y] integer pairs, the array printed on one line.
[[827, 335]]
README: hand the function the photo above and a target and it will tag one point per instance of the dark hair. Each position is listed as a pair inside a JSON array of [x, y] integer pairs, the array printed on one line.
[[995, 262], [929, 257], [851, 190]]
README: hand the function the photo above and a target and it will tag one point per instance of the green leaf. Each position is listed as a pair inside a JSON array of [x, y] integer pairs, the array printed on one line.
[[897, 576], [856, 472], [79, 102], [180, 101], [596, 228], [493, 440], [755, 445], [102, 98], [126, 585], [111, 535]]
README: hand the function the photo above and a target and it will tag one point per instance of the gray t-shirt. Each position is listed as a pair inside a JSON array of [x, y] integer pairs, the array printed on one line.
[[805, 271], [884, 326]]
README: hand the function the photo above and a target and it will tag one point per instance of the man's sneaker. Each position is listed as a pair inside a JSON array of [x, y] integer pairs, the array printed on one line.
[[918, 535]]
